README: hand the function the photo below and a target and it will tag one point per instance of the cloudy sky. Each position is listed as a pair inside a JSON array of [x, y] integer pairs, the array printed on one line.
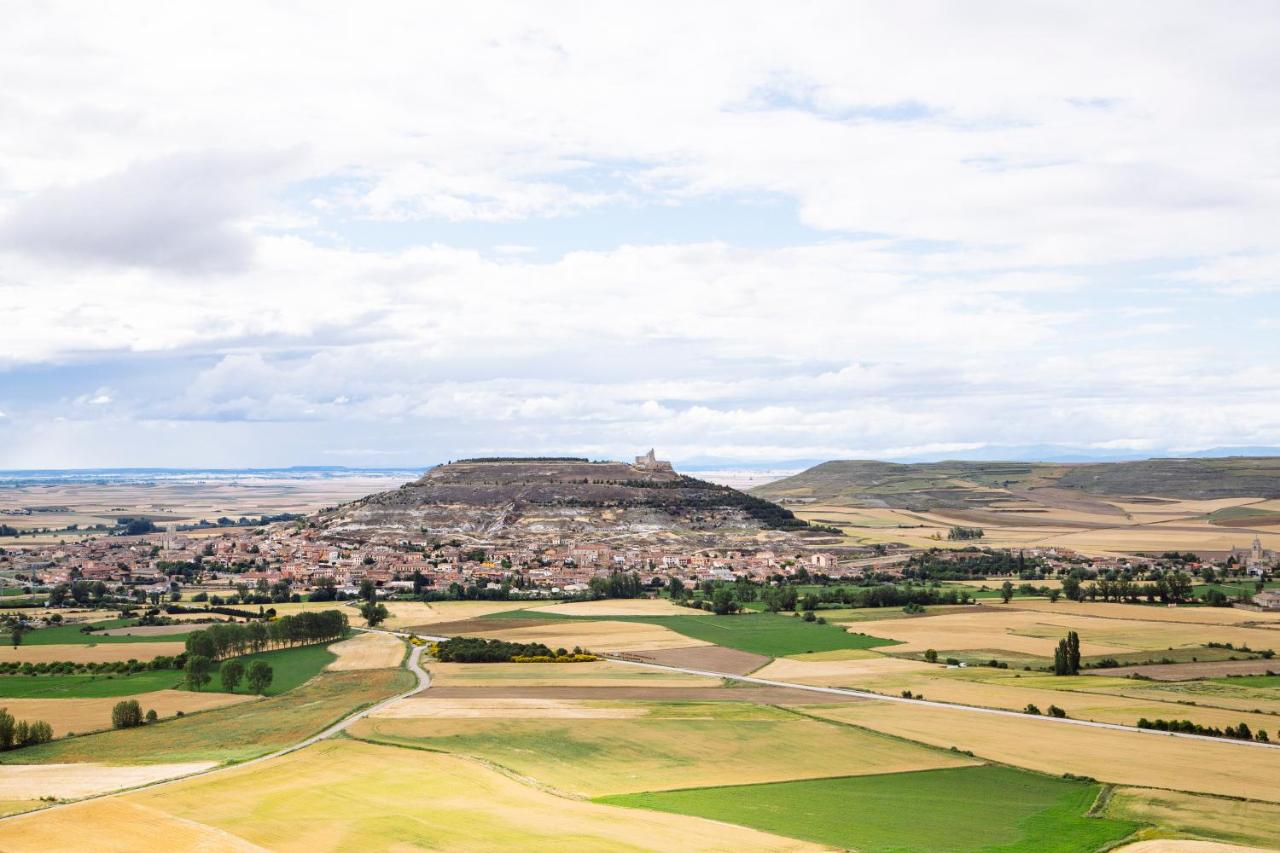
[[242, 234]]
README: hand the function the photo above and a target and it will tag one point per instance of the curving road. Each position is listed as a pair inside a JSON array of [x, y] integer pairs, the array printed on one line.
[[880, 697]]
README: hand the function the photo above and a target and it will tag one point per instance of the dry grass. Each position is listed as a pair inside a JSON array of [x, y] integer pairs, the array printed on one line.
[[342, 795], [87, 715], [595, 674], [617, 607], [408, 614], [72, 781], [1126, 758], [367, 651], [82, 653]]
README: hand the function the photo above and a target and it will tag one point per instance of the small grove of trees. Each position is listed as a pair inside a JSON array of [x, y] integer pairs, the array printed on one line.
[[1240, 732], [233, 638], [127, 714], [960, 534], [617, 585], [373, 613], [15, 734], [1066, 657], [477, 650]]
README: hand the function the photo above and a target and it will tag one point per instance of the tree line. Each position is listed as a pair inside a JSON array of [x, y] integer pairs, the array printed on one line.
[[1240, 732], [478, 650], [234, 638]]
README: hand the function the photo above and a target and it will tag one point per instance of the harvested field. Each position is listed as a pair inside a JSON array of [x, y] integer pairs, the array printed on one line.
[[710, 658], [599, 637], [477, 627], [1037, 633], [420, 613], [84, 653], [367, 651], [738, 693], [1217, 818], [838, 654], [673, 745], [1126, 758], [506, 708], [1147, 612], [150, 630], [594, 674], [1195, 670], [1179, 845], [71, 781], [343, 795], [1014, 694], [839, 673], [616, 607], [88, 715]]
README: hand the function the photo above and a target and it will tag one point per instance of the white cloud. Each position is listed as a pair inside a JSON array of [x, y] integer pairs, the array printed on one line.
[[1035, 227]]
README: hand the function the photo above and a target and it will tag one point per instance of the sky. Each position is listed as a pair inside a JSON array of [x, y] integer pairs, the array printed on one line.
[[245, 234]]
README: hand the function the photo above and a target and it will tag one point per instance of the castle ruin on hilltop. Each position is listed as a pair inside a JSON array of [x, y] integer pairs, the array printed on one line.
[[650, 462]]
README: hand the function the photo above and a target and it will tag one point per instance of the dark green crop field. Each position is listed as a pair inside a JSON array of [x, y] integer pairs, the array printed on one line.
[[939, 811]]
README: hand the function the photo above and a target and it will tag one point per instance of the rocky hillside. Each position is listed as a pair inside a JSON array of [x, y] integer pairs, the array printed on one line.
[[494, 500]]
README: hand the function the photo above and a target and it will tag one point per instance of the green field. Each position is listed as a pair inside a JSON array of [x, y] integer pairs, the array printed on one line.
[[72, 635], [941, 811], [86, 686], [234, 733], [291, 667], [1270, 681], [770, 634]]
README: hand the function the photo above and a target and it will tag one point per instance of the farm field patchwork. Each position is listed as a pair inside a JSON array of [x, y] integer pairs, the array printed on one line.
[[1129, 758], [343, 795], [233, 733], [769, 634], [668, 745], [594, 674], [952, 811], [72, 635]]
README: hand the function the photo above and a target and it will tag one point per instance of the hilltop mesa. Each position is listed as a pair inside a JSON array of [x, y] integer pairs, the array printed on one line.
[[546, 500]]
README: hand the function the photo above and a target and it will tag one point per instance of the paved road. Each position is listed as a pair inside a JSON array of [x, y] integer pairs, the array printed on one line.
[[414, 664], [880, 697]]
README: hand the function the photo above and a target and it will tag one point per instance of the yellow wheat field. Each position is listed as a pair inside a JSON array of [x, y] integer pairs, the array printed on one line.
[[1036, 743], [344, 795], [367, 651], [87, 715], [100, 653]]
